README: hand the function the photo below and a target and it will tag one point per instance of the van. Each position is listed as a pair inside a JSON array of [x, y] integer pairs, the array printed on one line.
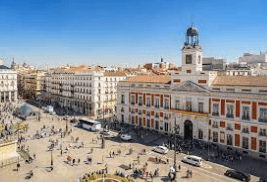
[[194, 160]]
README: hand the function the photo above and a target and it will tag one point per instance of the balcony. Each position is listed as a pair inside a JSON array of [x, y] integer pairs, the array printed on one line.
[[156, 106], [215, 126], [229, 128], [262, 134], [262, 150], [184, 112], [246, 118], [140, 104], [215, 114], [166, 118], [229, 115], [263, 120], [148, 105], [245, 131], [132, 103], [167, 108]]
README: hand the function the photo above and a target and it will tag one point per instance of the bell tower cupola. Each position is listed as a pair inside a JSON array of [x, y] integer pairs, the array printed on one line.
[[192, 51]]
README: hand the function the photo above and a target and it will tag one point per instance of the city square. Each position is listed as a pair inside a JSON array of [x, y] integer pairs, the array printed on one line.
[[125, 91], [66, 170]]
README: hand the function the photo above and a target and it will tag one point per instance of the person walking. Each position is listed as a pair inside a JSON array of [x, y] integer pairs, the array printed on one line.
[[61, 153], [73, 161], [79, 160], [18, 166], [113, 153]]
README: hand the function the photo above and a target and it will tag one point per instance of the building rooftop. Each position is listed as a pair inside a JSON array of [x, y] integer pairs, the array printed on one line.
[[150, 79], [250, 81], [3, 67]]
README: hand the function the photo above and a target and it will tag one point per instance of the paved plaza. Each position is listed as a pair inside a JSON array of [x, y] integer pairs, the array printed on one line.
[[66, 171]]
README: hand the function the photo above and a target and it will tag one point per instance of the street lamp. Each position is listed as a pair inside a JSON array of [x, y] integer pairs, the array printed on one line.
[[210, 138], [51, 159], [176, 130]]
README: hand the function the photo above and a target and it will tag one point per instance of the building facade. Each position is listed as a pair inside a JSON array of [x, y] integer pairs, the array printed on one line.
[[230, 111], [90, 93], [8, 82]]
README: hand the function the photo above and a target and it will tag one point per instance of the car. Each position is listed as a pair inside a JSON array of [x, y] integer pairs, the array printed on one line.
[[237, 175], [126, 137], [193, 160], [161, 149], [262, 179], [105, 132]]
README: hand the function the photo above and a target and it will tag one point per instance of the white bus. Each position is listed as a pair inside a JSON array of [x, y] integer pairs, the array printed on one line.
[[89, 124]]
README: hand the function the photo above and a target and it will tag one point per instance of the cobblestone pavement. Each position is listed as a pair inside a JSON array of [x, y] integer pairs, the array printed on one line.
[[68, 172]]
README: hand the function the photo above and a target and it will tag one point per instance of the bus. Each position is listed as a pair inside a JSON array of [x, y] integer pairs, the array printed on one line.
[[89, 124]]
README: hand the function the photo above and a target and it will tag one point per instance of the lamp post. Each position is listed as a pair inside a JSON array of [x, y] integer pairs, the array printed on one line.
[[176, 130], [209, 147], [51, 159]]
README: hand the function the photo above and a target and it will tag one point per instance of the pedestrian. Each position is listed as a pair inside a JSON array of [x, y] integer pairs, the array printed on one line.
[[167, 161], [34, 156], [151, 176], [113, 153], [61, 153], [179, 167], [18, 166], [79, 160], [73, 161]]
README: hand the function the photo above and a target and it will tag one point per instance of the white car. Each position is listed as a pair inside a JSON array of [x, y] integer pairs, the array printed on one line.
[[161, 149], [126, 137], [194, 160]]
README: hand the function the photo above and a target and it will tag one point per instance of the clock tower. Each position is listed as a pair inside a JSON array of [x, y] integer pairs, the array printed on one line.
[[192, 52]]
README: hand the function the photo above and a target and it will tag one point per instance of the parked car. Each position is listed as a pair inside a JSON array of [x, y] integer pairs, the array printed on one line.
[[262, 179], [105, 132], [237, 175], [161, 149], [126, 137], [194, 160]]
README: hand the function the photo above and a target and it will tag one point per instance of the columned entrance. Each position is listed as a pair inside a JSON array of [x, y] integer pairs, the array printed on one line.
[[188, 130]]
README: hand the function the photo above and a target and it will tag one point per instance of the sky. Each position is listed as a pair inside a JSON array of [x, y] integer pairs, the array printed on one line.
[[129, 32]]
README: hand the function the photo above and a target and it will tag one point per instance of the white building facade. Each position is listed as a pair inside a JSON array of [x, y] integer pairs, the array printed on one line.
[[91, 93], [8, 82]]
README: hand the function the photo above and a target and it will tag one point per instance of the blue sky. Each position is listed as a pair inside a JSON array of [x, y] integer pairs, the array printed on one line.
[[127, 31]]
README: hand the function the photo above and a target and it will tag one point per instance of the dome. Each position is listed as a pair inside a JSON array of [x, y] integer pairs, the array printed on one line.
[[192, 32]]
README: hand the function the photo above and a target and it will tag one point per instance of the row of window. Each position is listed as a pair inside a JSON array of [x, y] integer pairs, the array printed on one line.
[[245, 114], [245, 141], [8, 77], [245, 129]]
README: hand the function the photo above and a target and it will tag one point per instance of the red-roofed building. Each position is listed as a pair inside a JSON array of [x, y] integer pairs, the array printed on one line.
[[228, 111]]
